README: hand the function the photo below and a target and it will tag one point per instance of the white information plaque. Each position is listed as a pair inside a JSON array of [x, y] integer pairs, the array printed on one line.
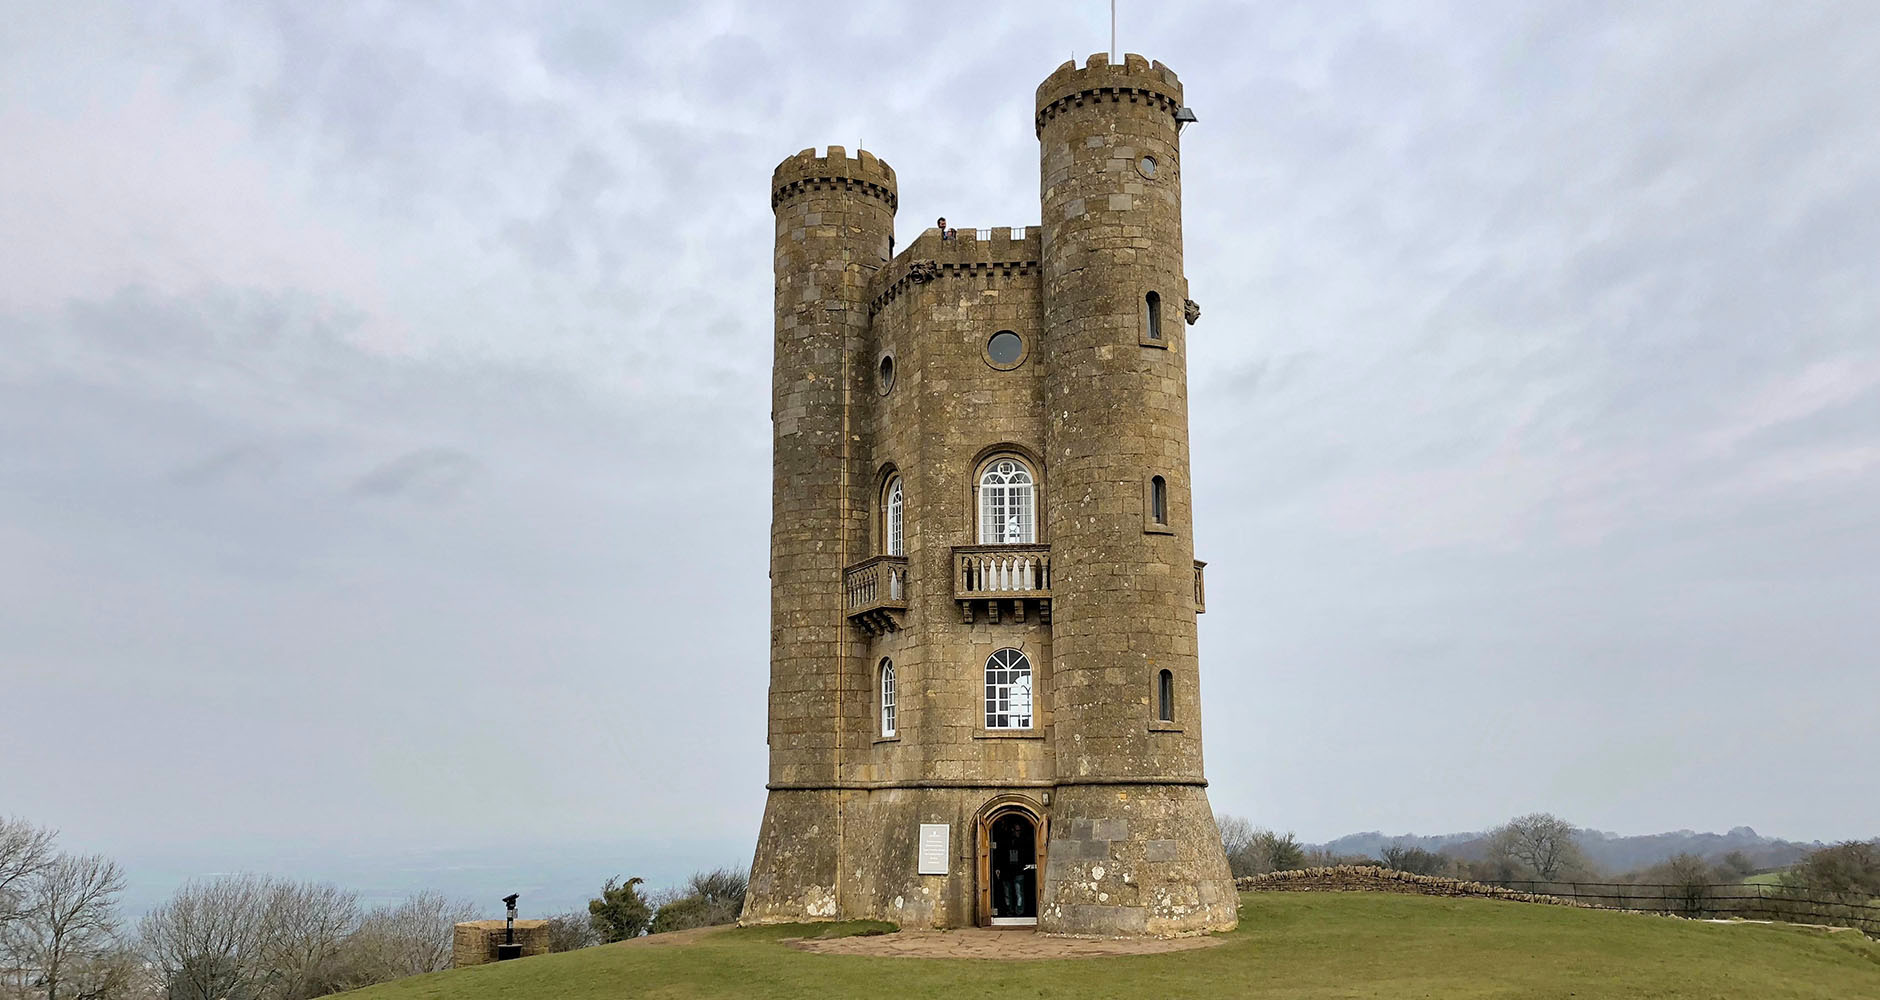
[[936, 842]]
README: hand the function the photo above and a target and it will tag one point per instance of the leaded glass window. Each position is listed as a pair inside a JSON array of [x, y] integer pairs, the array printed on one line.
[[1007, 512], [1008, 690]]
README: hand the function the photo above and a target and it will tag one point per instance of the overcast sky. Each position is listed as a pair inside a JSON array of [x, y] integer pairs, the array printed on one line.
[[384, 458]]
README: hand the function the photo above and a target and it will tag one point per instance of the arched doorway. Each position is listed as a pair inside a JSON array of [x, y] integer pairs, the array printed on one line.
[[1011, 864]]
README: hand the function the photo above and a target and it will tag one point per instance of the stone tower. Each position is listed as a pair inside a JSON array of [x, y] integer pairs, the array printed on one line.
[[984, 698]]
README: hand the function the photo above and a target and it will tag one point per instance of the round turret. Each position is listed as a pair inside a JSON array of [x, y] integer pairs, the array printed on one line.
[[806, 172], [835, 216], [1115, 354], [1126, 689]]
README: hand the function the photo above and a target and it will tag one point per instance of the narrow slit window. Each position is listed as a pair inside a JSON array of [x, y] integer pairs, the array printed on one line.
[[1158, 500], [891, 534], [887, 697], [1165, 697], [1008, 690], [1154, 304]]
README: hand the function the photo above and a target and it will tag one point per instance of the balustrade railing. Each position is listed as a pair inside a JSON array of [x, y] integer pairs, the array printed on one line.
[[873, 590], [1002, 571], [995, 577]]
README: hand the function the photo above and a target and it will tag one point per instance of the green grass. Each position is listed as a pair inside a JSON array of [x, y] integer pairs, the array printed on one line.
[[1290, 945], [1766, 878]]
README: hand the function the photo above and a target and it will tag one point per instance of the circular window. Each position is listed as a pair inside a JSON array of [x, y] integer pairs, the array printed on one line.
[[1147, 166], [1006, 350], [885, 374]]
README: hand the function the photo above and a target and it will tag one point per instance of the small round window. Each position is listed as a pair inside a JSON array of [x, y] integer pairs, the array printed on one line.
[[886, 373], [1147, 166], [1006, 350]]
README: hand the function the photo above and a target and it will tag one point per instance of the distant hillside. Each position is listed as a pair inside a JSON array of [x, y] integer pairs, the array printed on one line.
[[1610, 851]]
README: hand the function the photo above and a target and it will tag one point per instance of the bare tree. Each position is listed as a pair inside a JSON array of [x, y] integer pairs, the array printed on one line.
[[206, 940], [1236, 833], [571, 931], [409, 939], [304, 927], [1541, 843], [1255, 850], [1689, 878], [250, 937], [25, 851], [1325, 857], [1410, 858], [70, 926]]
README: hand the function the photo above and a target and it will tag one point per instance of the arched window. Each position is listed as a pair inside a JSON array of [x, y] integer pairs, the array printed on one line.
[[1008, 690], [887, 697], [1007, 512], [891, 528], [1154, 302], [1158, 500], [1165, 697]]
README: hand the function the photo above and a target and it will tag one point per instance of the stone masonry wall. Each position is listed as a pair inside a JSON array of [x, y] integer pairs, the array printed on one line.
[[474, 942], [1367, 878]]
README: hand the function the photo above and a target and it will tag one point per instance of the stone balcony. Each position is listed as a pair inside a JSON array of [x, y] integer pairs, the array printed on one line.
[[997, 580], [875, 593]]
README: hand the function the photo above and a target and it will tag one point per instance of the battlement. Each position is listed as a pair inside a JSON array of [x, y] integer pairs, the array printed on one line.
[[1007, 252], [864, 173], [1137, 80]]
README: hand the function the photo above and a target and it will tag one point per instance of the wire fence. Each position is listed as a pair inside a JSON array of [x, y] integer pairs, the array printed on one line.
[[1710, 901]]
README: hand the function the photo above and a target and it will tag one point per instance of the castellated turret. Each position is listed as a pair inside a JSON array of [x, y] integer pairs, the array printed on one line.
[[984, 697]]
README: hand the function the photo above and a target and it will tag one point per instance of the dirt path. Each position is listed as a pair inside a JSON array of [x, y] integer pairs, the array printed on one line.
[[1002, 944]]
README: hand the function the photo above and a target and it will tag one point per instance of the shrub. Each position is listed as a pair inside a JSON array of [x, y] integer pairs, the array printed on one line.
[[621, 912], [709, 899], [571, 931], [1850, 868], [1253, 851]]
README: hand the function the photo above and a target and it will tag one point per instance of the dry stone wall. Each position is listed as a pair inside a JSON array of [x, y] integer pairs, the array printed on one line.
[[1367, 878]]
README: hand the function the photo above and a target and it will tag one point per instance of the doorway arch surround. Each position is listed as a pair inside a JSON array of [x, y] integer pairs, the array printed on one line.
[[1007, 807]]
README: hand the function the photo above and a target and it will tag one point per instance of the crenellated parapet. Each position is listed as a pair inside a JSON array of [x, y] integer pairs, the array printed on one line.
[[862, 174], [1136, 81], [1004, 252]]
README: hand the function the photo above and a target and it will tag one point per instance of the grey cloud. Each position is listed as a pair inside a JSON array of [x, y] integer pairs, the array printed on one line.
[[431, 475], [246, 460]]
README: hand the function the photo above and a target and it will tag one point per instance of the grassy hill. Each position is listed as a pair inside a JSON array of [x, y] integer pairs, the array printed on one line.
[[1289, 945]]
